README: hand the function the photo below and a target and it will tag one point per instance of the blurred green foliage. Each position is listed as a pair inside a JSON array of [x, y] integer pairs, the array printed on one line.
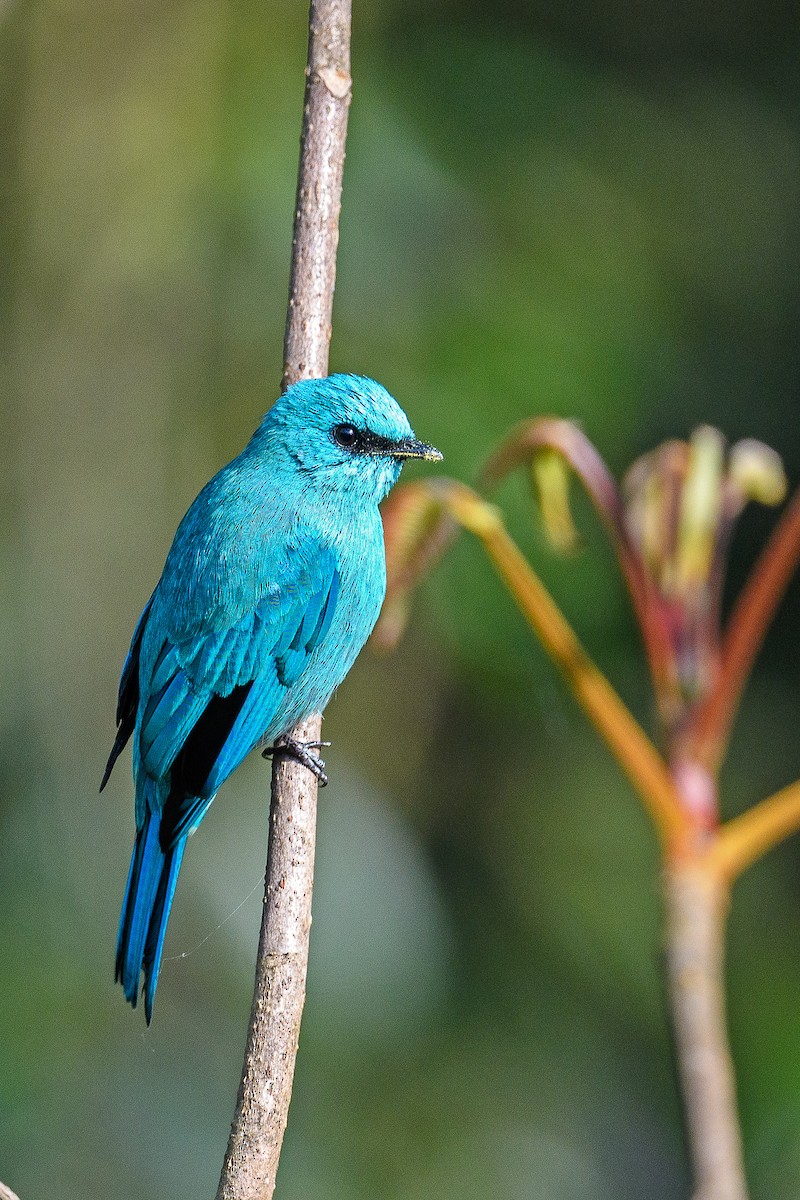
[[587, 209]]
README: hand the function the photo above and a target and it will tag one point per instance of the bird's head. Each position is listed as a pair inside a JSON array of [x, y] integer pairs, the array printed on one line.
[[345, 433]]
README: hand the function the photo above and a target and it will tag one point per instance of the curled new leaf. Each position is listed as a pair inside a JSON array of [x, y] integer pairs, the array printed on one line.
[[700, 504], [681, 504], [531, 438], [755, 472], [551, 482], [552, 436]]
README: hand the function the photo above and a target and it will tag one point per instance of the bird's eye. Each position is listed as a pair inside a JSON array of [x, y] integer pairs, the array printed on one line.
[[347, 436]]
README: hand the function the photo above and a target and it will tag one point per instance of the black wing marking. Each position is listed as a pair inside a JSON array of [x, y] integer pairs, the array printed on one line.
[[192, 766], [128, 698]]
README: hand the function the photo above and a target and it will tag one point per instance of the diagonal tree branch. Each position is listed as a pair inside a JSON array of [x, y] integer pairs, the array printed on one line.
[[262, 1106]]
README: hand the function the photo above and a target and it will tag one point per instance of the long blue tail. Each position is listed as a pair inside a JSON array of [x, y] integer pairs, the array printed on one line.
[[145, 911]]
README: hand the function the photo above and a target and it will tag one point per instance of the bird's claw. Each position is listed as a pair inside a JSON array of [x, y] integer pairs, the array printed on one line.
[[301, 752]]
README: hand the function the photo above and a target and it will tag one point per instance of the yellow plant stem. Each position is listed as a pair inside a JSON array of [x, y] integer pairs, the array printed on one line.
[[744, 839], [626, 739]]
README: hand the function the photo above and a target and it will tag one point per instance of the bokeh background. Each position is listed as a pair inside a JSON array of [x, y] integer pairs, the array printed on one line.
[[589, 209]]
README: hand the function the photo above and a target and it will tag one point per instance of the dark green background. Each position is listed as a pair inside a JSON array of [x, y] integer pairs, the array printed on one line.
[[588, 209]]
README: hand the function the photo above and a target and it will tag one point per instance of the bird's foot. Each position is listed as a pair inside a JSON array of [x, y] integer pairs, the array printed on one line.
[[302, 752]]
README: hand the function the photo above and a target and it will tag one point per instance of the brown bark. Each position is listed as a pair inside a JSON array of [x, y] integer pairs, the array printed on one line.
[[251, 1160]]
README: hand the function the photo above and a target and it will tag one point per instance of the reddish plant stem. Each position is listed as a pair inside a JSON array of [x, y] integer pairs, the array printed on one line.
[[259, 1123], [683, 806], [566, 439], [744, 635]]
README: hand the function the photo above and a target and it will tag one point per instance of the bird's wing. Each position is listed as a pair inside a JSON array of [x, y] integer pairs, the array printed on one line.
[[232, 686], [209, 698]]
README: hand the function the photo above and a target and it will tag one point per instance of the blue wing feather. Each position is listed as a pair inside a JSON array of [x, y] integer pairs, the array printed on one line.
[[159, 751], [293, 649], [326, 616], [164, 670], [154, 946], [161, 707], [206, 700], [199, 655]]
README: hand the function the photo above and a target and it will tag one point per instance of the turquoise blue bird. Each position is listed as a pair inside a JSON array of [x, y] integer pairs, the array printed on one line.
[[273, 583]]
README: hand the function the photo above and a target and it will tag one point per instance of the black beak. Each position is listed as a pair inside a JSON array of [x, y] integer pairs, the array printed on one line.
[[411, 448]]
